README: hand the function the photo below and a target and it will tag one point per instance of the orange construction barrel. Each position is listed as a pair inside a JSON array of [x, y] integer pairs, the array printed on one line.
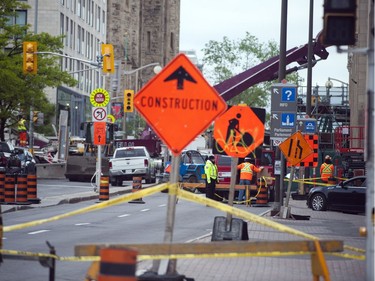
[[136, 186], [262, 197], [21, 195], [2, 185], [117, 264], [104, 188], [10, 189], [32, 189]]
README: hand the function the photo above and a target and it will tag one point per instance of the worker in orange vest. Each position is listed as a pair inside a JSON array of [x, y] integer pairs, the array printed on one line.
[[247, 170], [326, 169]]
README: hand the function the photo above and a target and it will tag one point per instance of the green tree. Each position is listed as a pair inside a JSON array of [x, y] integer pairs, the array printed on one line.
[[225, 59], [19, 91]]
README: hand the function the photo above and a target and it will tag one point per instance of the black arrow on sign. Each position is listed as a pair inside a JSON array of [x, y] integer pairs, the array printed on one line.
[[180, 74], [99, 137], [299, 147]]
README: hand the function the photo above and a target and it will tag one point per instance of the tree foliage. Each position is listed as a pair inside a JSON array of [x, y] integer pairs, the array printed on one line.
[[225, 59], [19, 91]]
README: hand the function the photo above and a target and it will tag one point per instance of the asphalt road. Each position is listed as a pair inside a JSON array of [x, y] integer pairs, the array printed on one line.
[[124, 223]]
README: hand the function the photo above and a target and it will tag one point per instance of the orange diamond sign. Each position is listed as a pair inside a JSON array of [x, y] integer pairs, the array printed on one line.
[[179, 103], [238, 131], [295, 148]]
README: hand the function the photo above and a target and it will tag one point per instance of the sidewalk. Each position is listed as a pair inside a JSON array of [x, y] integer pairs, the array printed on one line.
[[325, 225]]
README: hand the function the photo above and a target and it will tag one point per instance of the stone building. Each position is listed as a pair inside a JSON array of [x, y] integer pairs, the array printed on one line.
[[144, 34]]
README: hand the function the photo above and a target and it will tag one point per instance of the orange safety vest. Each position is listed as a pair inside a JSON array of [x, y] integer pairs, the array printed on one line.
[[247, 170], [326, 171]]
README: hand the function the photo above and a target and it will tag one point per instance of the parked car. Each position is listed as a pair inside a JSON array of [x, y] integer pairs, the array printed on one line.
[[6, 148], [347, 196]]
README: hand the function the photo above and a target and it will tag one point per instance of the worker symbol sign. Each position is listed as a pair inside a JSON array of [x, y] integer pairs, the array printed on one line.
[[239, 131], [295, 148]]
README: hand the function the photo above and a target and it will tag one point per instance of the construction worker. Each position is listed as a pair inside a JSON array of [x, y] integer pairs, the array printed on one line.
[[210, 169], [247, 170], [22, 131], [326, 169]]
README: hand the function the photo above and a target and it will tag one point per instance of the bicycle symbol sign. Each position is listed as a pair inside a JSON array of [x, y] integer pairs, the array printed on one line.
[[238, 132]]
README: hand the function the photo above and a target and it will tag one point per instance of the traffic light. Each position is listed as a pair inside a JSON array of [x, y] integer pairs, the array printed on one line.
[[108, 58], [30, 59], [339, 22], [128, 100], [38, 118]]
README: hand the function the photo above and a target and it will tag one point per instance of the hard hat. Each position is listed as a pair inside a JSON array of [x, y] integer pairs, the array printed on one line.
[[327, 157], [211, 157]]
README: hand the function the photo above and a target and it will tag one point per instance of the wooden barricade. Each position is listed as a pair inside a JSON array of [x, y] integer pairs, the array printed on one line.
[[314, 248]]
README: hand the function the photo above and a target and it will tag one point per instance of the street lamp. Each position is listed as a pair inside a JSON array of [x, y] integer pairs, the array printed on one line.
[[157, 69], [329, 85]]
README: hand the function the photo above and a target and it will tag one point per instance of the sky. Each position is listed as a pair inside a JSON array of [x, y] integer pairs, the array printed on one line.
[[205, 20]]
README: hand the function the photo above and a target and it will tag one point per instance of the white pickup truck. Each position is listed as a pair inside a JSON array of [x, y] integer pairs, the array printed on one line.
[[129, 162]]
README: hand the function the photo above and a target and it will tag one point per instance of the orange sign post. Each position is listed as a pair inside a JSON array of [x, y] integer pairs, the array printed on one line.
[[179, 103], [238, 131]]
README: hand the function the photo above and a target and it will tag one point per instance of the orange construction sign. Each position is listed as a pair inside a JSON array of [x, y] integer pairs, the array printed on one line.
[[238, 132], [295, 148], [100, 133], [179, 103]]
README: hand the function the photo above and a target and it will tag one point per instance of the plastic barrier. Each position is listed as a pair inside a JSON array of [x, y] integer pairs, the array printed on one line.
[[10, 189], [117, 264], [104, 188], [137, 186]]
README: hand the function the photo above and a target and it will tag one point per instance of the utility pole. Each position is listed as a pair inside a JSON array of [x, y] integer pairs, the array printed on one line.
[[282, 73]]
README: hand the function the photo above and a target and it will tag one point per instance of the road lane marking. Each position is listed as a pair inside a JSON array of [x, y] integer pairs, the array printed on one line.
[[162, 205], [145, 210], [82, 223], [124, 215], [38, 231]]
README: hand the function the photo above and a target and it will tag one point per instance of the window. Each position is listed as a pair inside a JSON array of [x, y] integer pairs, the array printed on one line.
[[67, 32], [98, 12]]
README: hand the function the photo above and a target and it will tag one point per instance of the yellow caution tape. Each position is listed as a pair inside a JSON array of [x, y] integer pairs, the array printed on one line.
[[101, 205], [174, 189]]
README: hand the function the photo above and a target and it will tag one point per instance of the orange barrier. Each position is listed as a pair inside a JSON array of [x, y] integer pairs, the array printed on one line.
[[2, 185], [104, 188], [136, 186], [10, 189], [117, 264], [262, 198], [32, 189], [21, 195]]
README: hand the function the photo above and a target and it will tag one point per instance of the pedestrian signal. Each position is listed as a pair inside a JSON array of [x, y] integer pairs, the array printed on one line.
[[339, 26], [128, 100], [30, 59], [108, 58]]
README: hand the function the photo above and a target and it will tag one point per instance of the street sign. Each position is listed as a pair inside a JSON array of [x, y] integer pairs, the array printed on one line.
[[283, 111], [295, 148], [283, 97], [238, 131], [307, 125], [99, 97], [283, 125], [100, 133], [99, 114], [111, 118], [179, 103]]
